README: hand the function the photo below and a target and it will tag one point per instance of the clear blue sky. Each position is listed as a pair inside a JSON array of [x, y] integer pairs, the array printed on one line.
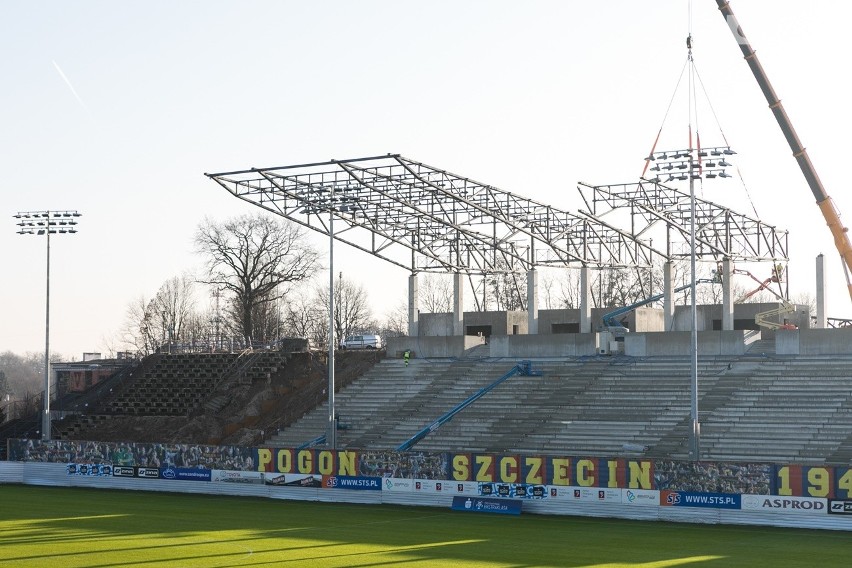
[[118, 108]]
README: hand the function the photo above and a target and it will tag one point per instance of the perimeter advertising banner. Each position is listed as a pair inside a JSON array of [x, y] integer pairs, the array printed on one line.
[[705, 500], [487, 505], [513, 490], [442, 472], [227, 476], [352, 482], [584, 494], [803, 505], [95, 469]]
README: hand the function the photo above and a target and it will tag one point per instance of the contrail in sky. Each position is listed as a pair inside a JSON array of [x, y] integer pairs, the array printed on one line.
[[70, 86]]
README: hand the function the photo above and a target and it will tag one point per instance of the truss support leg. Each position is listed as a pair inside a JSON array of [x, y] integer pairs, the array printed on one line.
[[821, 322], [585, 300], [532, 302], [458, 304], [668, 297], [413, 307], [727, 295]]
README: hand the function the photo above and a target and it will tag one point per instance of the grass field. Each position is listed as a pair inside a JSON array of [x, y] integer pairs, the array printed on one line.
[[60, 527]]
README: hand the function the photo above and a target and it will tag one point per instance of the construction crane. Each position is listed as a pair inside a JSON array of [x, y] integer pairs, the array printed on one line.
[[825, 203]]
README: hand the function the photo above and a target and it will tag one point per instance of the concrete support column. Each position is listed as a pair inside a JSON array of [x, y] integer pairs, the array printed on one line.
[[727, 295], [532, 302], [458, 304], [413, 307], [821, 322], [585, 300], [668, 297]]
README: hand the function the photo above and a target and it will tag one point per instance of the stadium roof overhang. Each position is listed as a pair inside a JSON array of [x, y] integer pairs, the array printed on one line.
[[425, 219]]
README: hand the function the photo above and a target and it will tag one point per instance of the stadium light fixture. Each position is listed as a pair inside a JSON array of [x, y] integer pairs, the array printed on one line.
[[46, 223], [691, 160]]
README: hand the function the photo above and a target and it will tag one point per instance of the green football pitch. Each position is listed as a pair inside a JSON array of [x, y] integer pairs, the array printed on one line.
[[44, 526]]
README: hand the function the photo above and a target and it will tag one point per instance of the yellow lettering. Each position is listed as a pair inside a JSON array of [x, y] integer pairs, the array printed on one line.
[[612, 465], [484, 463], [305, 461], [346, 463], [325, 461], [461, 467], [534, 476], [819, 482], [561, 471], [264, 458], [585, 473], [639, 475], [509, 469], [285, 461], [784, 478]]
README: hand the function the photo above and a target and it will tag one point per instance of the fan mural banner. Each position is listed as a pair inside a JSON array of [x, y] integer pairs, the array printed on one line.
[[523, 475]]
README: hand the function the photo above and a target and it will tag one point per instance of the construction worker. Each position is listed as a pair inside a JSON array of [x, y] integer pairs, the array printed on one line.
[[406, 356]]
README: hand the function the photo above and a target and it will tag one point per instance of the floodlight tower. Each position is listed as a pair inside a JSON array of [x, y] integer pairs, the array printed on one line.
[[681, 165], [45, 223]]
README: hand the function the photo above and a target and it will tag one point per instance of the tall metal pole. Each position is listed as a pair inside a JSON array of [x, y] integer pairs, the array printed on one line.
[[331, 438], [45, 419], [43, 223], [696, 427]]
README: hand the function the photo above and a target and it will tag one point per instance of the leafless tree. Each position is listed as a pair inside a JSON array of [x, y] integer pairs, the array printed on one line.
[[351, 307], [256, 259], [395, 323], [174, 306], [435, 294], [303, 317]]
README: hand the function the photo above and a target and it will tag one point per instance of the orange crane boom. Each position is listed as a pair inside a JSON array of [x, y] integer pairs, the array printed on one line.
[[825, 203]]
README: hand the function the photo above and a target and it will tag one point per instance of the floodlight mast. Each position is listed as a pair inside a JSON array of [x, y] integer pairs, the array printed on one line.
[[45, 223], [824, 201]]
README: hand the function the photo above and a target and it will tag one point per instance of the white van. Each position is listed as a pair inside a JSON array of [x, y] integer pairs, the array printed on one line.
[[361, 342]]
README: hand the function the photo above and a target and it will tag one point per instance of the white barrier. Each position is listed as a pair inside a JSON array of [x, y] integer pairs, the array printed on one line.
[[765, 510]]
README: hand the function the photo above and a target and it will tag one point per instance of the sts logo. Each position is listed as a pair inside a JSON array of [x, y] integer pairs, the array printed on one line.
[[331, 482], [673, 498]]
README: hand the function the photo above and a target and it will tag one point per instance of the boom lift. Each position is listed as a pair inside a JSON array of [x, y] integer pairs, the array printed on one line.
[[763, 318], [825, 203]]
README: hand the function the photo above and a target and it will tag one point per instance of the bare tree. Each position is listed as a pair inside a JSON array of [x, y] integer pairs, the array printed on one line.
[[174, 306], [435, 294], [255, 258], [395, 323], [351, 307]]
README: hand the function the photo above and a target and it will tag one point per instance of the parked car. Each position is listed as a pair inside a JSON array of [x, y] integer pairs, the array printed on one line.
[[361, 342]]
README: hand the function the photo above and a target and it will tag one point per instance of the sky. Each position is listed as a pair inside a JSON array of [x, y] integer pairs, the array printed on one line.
[[117, 109]]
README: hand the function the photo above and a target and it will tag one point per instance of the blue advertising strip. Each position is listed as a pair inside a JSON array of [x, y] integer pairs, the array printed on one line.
[[353, 482], [90, 469], [513, 490], [185, 474], [707, 500], [486, 505]]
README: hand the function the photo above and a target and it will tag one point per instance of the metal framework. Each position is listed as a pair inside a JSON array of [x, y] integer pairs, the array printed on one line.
[[426, 219], [719, 231]]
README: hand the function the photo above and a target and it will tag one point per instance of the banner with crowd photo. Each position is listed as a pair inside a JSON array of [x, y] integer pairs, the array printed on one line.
[[460, 469]]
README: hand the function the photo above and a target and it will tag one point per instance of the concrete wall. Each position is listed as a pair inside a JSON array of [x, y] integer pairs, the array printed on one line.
[[710, 313], [432, 347], [813, 341], [501, 323], [641, 319], [554, 345], [431, 325], [680, 343]]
